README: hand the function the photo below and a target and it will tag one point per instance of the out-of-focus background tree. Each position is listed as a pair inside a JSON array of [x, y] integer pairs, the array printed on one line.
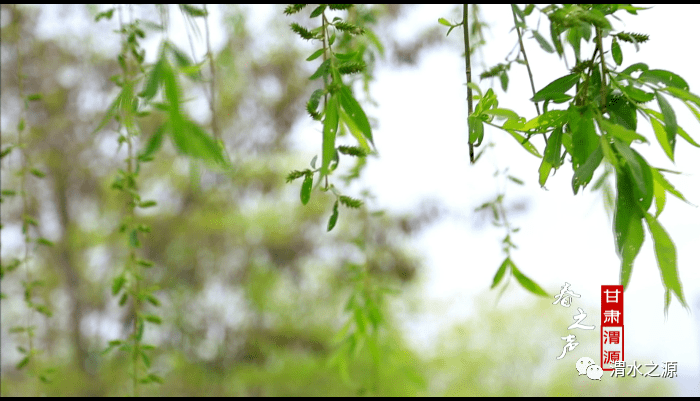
[[253, 290]]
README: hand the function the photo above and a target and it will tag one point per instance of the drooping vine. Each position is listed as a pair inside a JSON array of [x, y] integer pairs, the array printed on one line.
[[340, 108], [599, 126], [30, 231]]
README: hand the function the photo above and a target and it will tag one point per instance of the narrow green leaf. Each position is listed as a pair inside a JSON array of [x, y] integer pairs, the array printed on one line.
[[24, 362], [662, 137], [556, 88], [584, 174], [192, 140], [687, 137], [627, 214], [626, 135], [665, 257], [118, 284], [684, 95], [322, 70], [306, 189], [524, 143], [543, 42], [444, 22], [153, 319], [526, 282], [552, 153], [634, 68], [500, 272], [661, 180], [659, 195], [616, 52], [476, 130], [334, 217], [318, 11], [639, 172], [503, 113], [134, 239], [545, 169], [330, 128], [669, 119], [665, 77], [44, 241], [154, 80], [315, 55], [153, 145], [636, 94], [355, 112]]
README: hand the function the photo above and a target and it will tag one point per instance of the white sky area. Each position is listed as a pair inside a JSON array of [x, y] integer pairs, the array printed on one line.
[[421, 137]]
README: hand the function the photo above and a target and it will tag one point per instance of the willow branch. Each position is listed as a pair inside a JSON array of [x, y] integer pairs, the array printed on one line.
[[468, 69], [527, 63]]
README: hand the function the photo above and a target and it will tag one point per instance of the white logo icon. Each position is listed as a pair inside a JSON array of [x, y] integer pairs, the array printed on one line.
[[583, 364], [594, 372]]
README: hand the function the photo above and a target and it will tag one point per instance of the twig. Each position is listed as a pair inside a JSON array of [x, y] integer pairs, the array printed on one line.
[[468, 69]]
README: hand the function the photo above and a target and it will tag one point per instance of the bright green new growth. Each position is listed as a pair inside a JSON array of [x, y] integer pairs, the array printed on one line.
[[600, 124]]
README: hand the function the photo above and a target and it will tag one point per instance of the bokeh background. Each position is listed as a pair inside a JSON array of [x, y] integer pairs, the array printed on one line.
[[253, 288]]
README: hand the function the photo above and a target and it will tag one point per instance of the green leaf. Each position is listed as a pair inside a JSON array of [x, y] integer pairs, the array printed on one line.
[[503, 113], [659, 195], [552, 153], [476, 130], [665, 77], [118, 284], [661, 180], [147, 204], [334, 217], [355, 112], [306, 189], [684, 95], [640, 172], [104, 14], [662, 137], [501, 272], [330, 128], [322, 70], [616, 52], [524, 142], [153, 144], [123, 299], [669, 120], [543, 42], [626, 135], [315, 55], [134, 239], [526, 282], [545, 169], [555, 34], [637, 95], [556, 88], [622, 112], [666, 258], [687, 137], [24, 362], [584, 138], [634, 68], [444, 22], [153, 81], [44, 241], [629, 233], [584, 174], [317, 11], [192, 140], [153, 319], [504, 80]]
